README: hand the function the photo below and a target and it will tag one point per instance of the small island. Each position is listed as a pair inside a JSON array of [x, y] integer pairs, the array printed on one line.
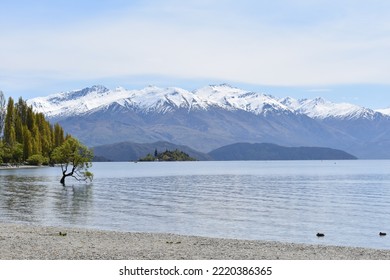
[[175, 155]]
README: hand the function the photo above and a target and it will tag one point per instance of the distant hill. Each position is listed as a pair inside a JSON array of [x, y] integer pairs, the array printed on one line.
[[265, 151], [130, 151]]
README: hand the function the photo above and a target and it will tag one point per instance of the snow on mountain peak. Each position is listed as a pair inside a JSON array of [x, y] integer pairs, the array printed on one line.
[[163, 100], [385, 111], [320, 108], [232, 98], [151, 98], [68, 103], [290, 102]]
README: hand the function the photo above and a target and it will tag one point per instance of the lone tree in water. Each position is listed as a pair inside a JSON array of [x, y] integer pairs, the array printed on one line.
[[75, 159]]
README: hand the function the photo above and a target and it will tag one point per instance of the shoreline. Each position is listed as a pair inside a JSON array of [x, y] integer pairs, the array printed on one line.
[[25, 242], [11, 167]]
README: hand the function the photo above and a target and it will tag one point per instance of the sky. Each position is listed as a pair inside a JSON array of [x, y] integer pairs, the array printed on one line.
[[339, 50]]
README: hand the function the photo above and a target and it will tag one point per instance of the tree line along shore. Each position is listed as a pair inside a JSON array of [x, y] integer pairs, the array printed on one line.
[[27, 138]]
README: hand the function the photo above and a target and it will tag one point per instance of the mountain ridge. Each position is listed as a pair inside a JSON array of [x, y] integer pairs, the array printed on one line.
[[161, 99], [213, 116], [269, 151], [130, 151]]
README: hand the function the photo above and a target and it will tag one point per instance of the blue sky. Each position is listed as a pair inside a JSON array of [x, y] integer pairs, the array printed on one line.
[[335, 49]]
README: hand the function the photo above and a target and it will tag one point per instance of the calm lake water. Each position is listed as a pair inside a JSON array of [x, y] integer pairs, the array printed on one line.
[[261, 200]]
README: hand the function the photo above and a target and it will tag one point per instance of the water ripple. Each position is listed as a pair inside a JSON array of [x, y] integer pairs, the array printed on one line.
[[283, 201]]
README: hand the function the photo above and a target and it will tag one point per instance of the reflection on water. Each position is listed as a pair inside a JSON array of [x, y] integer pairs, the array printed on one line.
[[73, 203], [283, 201], [21, 197]]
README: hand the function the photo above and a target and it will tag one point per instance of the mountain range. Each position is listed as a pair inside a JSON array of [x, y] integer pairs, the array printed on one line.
[[214, 116]]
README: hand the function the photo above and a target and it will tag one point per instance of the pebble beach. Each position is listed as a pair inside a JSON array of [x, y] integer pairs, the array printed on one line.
[[21, 242]]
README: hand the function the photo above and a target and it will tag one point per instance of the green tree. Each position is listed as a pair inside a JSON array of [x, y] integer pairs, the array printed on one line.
[[27, 142], [9, 125], [30, 119], [2, 152], [18, 126], [148, 157], [17, 154], [2, 111], [75, 159], [25, 133], [58, 135], [37, 160], [45, 134]]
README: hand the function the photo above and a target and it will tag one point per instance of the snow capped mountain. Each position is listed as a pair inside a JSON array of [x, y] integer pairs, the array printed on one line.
[[71, 102], [155, 99], [319, 108], [163, 100], [214, 116], [79, 102], [230, 98]]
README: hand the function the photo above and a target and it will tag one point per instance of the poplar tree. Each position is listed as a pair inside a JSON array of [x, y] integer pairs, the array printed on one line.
[[18, 129], [2, 111], [9, 125], [27, 143], [58, 135]]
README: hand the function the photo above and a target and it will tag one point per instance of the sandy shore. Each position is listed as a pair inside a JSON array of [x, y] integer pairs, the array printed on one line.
[[48, 243]]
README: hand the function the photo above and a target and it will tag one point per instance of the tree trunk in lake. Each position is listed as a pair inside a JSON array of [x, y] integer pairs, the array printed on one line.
[[62, 181], [64, 175]]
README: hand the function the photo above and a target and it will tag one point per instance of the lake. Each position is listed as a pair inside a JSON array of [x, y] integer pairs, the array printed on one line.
[[260, 200]]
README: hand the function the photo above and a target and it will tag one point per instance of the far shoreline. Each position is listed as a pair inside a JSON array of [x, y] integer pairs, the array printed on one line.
[[11, 167]]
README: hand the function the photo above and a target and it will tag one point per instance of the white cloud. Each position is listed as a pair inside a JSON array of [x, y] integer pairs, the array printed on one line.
[[202, 41]]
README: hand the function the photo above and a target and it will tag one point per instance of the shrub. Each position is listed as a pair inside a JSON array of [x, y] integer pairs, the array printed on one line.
[[37, 160]]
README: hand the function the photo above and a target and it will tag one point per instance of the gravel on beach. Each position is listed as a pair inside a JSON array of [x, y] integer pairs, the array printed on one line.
[[21, 242]]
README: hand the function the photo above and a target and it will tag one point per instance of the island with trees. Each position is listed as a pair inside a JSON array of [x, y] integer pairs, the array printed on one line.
[[175, 155]]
